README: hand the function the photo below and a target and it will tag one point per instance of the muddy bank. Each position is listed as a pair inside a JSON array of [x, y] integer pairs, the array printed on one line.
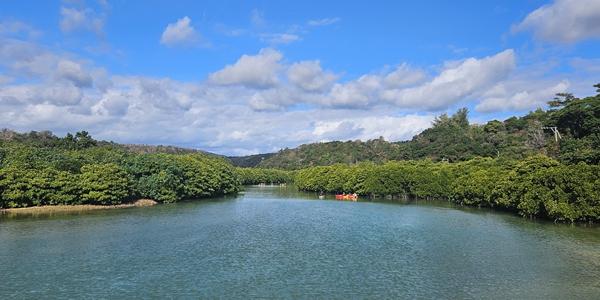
[[50, 209]]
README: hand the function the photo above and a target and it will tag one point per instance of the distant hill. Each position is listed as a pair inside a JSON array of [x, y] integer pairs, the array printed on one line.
[[249, 160], [453, 138], [320, 154], [82, 139], [137, 148]]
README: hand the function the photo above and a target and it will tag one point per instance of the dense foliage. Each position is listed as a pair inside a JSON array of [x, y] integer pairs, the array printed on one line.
[[537, 186], [264, 176], [453, 138], [42, 169]]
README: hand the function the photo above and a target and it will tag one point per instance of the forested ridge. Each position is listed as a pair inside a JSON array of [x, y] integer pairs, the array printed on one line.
[[453, 138]]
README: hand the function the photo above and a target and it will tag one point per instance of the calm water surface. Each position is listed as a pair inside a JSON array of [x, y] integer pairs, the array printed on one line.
[[278, 243]]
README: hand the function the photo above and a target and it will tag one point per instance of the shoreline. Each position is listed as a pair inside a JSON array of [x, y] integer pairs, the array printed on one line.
[[62, 208]]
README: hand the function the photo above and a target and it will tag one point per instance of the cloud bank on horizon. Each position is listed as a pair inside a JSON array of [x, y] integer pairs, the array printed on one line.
[[274, 80]]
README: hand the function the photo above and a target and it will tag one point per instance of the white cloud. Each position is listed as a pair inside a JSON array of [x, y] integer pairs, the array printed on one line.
[[59, 94], [113, 103], [564, 21], [5, 79], [26, 59], [392, 128], [74, 72], [272, 99], [358, 93], [402, 87], [404, 76], [259, 103], [80, 19], [323, 22], [309, 76], [180, 33], [520, 95], [251, 70], [13, 27], [455, 83]]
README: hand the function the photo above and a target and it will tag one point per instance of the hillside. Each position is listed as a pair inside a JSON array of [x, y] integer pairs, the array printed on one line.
[[453, 138], [82, 139], [250, 160]]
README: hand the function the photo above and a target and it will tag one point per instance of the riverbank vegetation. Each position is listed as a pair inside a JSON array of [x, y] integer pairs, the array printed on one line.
[[537, 186], [544, 164], [250, 176], [42, 169]]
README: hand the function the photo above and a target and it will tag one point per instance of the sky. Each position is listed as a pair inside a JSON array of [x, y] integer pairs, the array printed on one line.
[[246, 77]]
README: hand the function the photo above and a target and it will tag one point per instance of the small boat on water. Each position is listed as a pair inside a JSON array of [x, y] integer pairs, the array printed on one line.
[[348, 197]]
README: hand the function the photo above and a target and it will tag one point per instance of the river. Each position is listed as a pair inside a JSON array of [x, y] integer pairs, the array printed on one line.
[[275, 242]]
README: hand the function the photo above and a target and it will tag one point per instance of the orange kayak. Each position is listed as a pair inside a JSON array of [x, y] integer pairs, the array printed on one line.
[[351, 197]]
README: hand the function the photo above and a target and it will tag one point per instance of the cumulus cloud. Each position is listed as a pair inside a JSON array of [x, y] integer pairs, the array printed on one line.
[[455, 83], [520, 95], [232, 120], [80, 19], [391, 128], [402, 87], [309, 76], [14, 27], [59, 94], [258, 71], [259, 103], [273, 99], [74, 72], [564, 21], [180, 33], [40, 76], [32, 61], [404, 76], [358, 93], [323, 22]]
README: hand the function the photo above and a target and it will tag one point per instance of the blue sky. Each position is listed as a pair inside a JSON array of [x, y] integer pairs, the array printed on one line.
[[242, 77]]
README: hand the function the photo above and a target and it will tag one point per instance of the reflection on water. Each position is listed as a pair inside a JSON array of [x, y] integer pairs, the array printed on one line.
[[278, 242]]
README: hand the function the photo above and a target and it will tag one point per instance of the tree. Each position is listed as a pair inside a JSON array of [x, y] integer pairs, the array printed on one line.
[[562, 99], [84, 140], [163, 186], [104, 184]]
